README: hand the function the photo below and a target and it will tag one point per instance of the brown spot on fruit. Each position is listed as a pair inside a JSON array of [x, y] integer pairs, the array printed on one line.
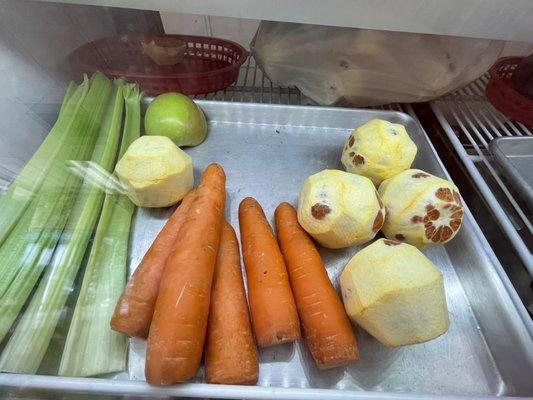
[[351, 141], [455, 224], [319, 211], [358, 159], [417, 219], [399, 236], [378, 221], [351, 154], [430, 230], [437, 236], [433, 215], [446, 206], [446, 233], [420, 175], [389, 242], [458, 214], [444, 194], [457, 197]]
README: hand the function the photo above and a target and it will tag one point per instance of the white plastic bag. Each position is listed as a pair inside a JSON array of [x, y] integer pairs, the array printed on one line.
[[368, 67]]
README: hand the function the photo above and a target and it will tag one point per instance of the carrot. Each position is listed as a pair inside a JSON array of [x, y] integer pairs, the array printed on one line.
[[325, 325], [179, 323], [274, 315], [134, 310], [230, 352]]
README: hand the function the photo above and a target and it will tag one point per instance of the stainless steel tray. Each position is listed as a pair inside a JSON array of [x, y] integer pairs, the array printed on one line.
[[267, 152], [515, 156]]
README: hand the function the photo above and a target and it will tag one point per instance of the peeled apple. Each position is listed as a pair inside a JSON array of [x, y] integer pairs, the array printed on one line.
[[395, 293], [177, 117], [155, 172], [339, 209], [422, 209], [378, 150]]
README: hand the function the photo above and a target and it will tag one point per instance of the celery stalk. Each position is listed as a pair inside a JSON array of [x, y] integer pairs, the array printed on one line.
[[15, 243], [27, 346], [11, 251], [21, 191], [61, 186], [53, 203], [92, 347], [71, 89], [132, 123], [33, 263]]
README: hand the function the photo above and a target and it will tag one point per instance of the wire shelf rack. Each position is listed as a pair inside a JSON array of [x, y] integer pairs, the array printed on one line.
[[470, 123], [252, 86]]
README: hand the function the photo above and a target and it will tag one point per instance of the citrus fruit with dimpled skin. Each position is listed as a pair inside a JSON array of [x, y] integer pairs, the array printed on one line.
[[177, 117]]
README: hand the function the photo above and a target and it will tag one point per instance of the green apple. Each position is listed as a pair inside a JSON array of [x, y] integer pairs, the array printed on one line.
[[178, 117]]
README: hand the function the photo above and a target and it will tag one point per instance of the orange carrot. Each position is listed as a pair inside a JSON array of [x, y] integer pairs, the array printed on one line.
[[325, 324], [274, 315], [179, 323], [134, 310], [230, 352]]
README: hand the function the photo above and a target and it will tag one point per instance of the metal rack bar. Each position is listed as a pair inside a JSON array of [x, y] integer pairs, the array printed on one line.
[[482, 158], [471, 122], [252, 86]]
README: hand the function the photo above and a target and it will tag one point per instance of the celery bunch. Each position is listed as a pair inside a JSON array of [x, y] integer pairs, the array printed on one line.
[[92, 348], [47, 191], [27, 346]]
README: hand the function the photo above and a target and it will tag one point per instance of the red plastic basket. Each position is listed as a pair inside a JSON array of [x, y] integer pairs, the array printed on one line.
[[209, 65], [504, 97]]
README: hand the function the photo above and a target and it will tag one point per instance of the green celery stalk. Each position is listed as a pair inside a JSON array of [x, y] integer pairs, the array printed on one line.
[[53, 204], [132, 123], [21, 191], [33, 263], [61, 186], [92, 347], [16, 242], [26, 348], [12, 250], [71, 89]]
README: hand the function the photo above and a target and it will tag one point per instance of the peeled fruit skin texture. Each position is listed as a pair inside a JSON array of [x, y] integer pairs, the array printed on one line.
[[339, 209], [155, 172], [177, 117], [378, 150], [422, 209], [395, 293]]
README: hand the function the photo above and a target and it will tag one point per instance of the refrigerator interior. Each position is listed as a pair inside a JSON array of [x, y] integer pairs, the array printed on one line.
[[488, 351]]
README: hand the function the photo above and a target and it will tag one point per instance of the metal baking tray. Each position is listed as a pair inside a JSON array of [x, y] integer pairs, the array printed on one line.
[[515, 156], [267, 152]]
